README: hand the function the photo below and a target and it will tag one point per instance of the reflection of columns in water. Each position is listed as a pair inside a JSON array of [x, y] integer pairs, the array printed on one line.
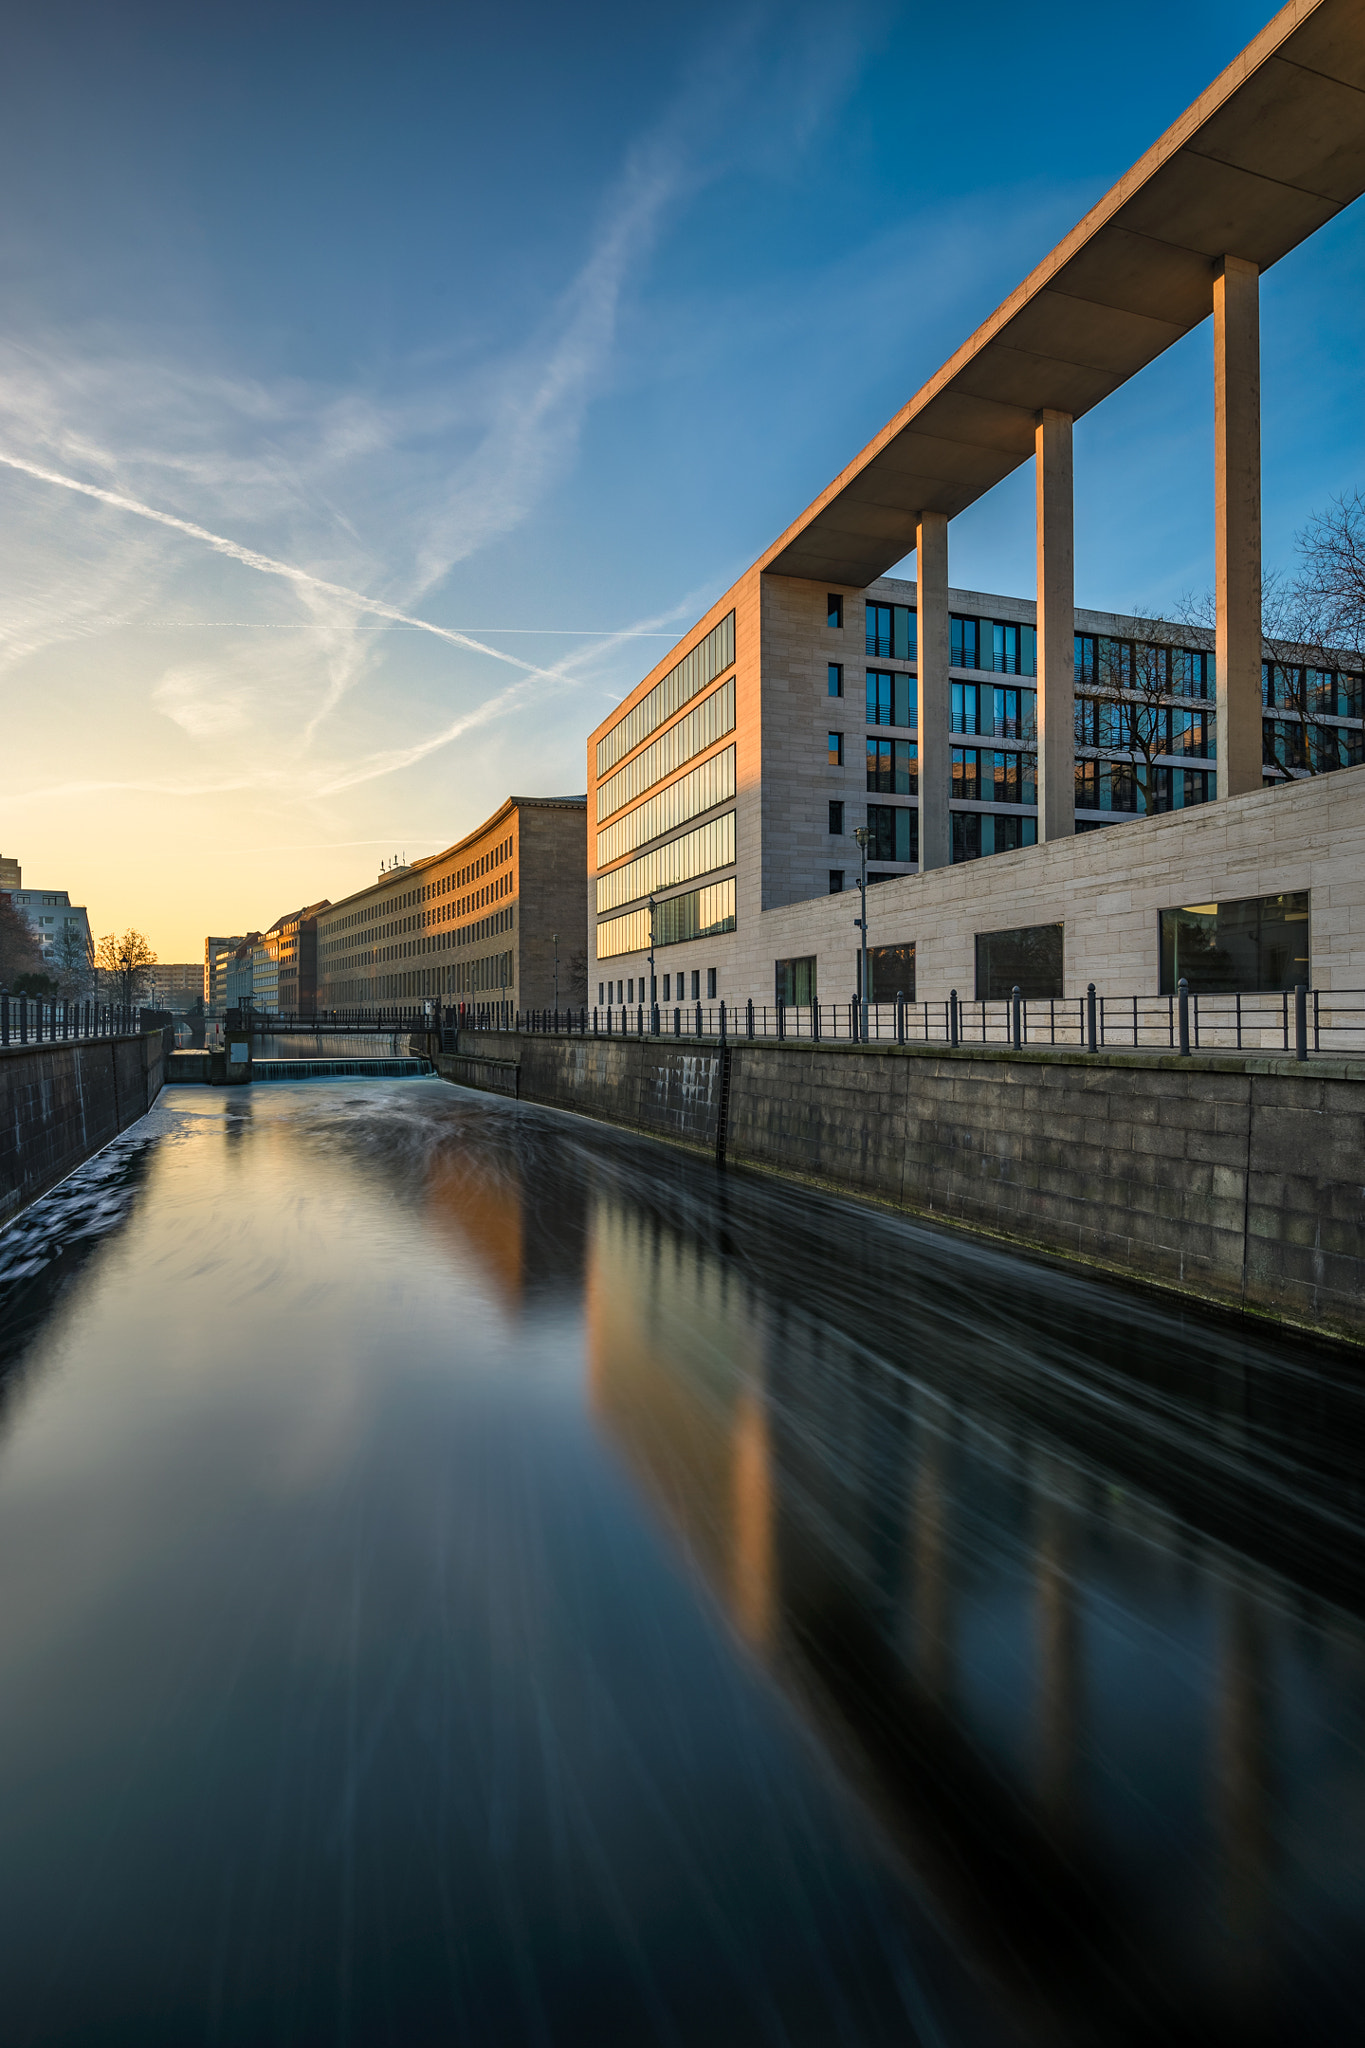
[[929, 1542], [1243, 1781], [1059, 1657], [753, 1589]]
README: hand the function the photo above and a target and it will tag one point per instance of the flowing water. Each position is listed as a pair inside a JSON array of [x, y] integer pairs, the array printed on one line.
[[471, 1576]]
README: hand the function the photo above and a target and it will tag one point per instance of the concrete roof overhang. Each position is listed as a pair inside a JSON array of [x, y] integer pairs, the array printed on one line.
[[1266, 156]]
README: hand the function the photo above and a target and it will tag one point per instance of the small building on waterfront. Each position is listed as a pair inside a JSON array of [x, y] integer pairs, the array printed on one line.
[[497, 917]]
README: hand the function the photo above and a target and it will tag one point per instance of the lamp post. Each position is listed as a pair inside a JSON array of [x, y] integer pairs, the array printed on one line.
[[652, 983], [555, 943], [860, 833]]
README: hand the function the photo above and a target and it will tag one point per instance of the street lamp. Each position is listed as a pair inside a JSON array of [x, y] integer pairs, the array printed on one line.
[[861, 834], [652, 983], [555, 943]]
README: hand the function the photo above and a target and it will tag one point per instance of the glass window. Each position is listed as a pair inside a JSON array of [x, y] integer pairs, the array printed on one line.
[[1028, 958], [668, 987], [836, 750], [890, 972], [1254, 943], [1015, 713], [710, 982], [977, 834], [893, 832], [966, 785], [836, 881], [878, 697], [964, 643], [795, 981], [836, 819], [964, 714], [696, 984], [836, 679], [836, 609], [892, 698], [1085, 660], [879, 630], [904, 633], [1013, 779]]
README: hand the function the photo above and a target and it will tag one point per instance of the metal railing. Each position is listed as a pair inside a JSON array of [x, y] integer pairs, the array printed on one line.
[[35, 1020], [1298, 1022]]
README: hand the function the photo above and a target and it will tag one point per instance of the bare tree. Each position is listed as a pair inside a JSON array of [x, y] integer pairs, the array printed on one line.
[[21, 958], [1308, 623], [125, 964], [1136, 693], [73, 958]]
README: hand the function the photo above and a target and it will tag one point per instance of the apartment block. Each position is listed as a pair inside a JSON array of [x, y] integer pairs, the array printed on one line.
[[497, 917]]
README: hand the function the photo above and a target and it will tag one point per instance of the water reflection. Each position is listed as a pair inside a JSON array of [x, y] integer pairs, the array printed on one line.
[[517, 1583]]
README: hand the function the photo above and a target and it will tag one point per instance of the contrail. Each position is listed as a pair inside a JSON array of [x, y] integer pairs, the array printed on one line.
[[267, 564]]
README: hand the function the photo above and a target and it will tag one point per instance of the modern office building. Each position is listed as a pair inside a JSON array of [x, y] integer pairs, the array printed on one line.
[[822, 696], [496, 917], [216, 954], [11, 874], [297, 960], [240, 982], [265, 972]]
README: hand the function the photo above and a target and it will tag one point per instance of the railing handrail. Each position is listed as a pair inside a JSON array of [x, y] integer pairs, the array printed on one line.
[[1299, 1022]]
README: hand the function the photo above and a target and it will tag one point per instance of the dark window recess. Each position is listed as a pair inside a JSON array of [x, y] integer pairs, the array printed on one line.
[[893, 831], [836, 609], [710, 983], [836, 818], [795, 981], [836, 881], [978, 833], [836, 679], [890, 972], [1254, 943], [696, 984], [1028, 958], [836, 750]]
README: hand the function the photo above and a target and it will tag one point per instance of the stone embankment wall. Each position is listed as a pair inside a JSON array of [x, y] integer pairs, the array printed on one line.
[[1241, 1180], [60, 1103]]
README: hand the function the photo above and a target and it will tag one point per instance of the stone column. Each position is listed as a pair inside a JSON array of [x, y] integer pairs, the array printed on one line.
[[1056, 627], [1237, 521], [931, 547]]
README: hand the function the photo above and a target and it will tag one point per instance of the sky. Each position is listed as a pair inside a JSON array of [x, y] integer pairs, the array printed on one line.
[[383, 390]]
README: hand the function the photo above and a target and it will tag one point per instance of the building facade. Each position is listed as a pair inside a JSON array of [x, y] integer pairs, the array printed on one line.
[[297, 960], [61, 928], [175, 985], [734, 781], [265, 972], [497, 917], [216, 954]]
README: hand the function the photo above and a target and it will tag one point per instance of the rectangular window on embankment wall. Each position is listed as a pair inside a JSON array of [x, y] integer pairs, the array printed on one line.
[[890, 973], [795, 981], [1028, 958], [1251, 944]]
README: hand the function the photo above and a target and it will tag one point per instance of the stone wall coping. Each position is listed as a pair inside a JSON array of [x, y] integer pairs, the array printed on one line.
[[1317, 1067]]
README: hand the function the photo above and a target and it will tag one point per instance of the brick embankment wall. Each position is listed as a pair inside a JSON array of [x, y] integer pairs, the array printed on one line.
[[60, 1103], [1240, 1180]]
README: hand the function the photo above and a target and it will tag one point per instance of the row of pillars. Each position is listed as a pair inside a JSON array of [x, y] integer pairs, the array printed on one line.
[[1237, 548]]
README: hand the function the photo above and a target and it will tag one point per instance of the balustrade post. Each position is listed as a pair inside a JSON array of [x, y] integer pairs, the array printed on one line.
[[4, 1020], [749, 1018], [699, 1029], [954, 1020], [722, 1021], [1183, 1001], [781, 1018], [1300, 1021], [1015, 1019], [1090, 1038]]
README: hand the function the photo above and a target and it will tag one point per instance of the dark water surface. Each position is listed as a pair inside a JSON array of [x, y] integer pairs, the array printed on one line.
[[469, 1576]]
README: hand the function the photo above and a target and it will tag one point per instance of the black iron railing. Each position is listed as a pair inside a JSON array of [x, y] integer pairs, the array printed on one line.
[[1299, 1022], [33, 1020]]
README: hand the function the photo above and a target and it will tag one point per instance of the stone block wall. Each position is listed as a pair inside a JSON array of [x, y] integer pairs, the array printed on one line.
[[60, 1103], [1238, 1180]]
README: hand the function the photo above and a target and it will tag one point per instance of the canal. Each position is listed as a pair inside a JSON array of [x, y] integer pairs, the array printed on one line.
[[472, 1576]]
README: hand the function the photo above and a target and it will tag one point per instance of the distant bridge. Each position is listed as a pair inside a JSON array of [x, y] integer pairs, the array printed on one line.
[[378, 1023]]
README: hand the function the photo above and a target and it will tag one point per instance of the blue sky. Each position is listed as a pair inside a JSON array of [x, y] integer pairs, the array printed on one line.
[[535, 327]]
